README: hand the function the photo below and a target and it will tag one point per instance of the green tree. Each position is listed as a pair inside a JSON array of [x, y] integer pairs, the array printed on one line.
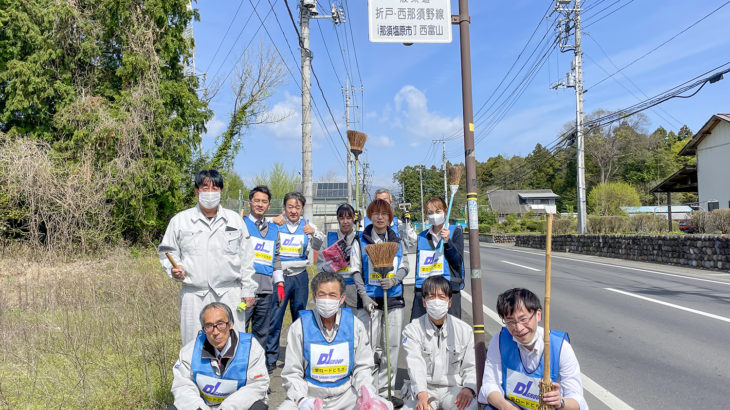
[[409, 179], [607, 199], [279, 181]]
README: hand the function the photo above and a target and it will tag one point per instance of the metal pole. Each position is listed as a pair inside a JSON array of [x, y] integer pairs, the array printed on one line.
[[347, 126], [357, 187], [471, 188], [306, 111], [420, 177], [579, 123]]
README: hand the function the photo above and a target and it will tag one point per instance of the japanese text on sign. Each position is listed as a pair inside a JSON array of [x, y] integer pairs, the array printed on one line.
[[410, 21]]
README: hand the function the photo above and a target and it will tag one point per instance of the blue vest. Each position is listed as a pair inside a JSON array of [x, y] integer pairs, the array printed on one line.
[[264, 248], [433, 263], [213, 388], [293, 245], [393, 225], [345, 272], [376, 290], [520, 386], [334, 361]]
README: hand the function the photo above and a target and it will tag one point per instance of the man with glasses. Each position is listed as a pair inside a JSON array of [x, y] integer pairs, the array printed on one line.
[[515, 363], [210, 245], [220, 368], [440, 354]]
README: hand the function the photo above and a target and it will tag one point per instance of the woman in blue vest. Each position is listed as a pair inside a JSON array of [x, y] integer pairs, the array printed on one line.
[[433, 259], [371, 288], [351, 241]]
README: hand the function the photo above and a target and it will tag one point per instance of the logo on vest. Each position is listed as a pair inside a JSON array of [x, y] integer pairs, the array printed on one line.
[[429, 260], [288, 241], [259, 247], [524, 390], [211, 389], [326, 358]]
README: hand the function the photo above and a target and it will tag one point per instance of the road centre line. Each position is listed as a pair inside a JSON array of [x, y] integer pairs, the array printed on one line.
[[686, 309], [623, 267], [600, 392], [521, 266]]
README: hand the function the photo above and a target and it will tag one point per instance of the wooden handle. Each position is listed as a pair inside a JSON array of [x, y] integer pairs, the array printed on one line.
[[172, 261], [546, 313]]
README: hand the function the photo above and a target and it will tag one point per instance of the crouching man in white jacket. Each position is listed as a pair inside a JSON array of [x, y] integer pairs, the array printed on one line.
[[221, 368]]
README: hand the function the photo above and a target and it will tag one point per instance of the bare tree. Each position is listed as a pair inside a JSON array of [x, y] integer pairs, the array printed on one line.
[[606, 144]]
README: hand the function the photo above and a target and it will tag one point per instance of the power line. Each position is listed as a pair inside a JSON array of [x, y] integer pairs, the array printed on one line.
[[329, 56], [222, 40], [608, 14], [352, 39], [230, 50]]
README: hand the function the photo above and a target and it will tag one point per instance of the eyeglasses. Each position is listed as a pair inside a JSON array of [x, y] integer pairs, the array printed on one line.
[[221, 326], [523, 321]]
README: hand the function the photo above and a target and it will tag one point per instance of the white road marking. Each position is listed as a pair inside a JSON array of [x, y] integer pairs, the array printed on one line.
[[521, 266], [686, 309], [601, 393]]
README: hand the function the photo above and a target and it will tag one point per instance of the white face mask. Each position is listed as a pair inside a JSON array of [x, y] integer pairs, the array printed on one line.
[[437, 308], [436, 219], [209, 200], [327, 307]]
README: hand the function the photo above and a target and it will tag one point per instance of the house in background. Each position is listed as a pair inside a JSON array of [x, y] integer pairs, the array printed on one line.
[[521, 201], [326, 197], [679, 212]]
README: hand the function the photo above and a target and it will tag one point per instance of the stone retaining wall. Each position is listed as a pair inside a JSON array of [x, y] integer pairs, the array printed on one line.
[[701, 251], [497, 238]]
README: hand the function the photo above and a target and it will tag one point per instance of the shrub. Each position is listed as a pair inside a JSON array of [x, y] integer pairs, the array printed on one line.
[[647, 223], [710, 222], [607, 199], [564, 226], [607, 224]]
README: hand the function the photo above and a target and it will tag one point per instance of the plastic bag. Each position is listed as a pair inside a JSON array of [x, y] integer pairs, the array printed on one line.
[[335, 255], [368, 402]]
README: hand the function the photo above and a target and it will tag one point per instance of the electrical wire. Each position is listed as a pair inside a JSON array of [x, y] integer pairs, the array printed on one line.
[[222, 40]]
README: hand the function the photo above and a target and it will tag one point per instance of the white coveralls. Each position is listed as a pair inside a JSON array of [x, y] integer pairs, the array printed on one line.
[[187, 395], [440, 361], [339, 397], [217, 257]]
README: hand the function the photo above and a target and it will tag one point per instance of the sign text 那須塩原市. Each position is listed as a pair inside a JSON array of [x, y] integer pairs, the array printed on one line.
[[410, 21]]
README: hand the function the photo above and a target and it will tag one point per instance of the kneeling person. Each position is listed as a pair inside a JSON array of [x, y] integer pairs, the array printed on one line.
[[220, 368], [440, 354], [328, 354]]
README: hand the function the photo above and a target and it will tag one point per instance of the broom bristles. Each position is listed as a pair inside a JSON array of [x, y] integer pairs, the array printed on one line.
[[455, 172], [357, 139], [382, 254]]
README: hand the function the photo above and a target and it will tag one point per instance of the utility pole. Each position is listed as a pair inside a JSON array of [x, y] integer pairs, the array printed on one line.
[[574, 79], [307, 11], [347, 90], [443, 146], [420, 177]]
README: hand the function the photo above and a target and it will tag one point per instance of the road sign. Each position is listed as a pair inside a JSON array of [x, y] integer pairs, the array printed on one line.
[[410, 21]]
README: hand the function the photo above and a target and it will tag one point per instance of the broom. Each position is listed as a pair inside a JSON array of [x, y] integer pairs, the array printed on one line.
[[546, 384], [357, 142], [382, 255], [455, 172]]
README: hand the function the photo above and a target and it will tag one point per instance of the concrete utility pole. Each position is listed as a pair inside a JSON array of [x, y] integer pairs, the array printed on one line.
[[574, 79], [347, 90], [420, 177], [443, 146], [307, 11]]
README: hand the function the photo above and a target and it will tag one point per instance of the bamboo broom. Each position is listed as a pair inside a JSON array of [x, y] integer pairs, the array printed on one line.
[[546, 383], [357, 143], [382, 255], [455, 172]]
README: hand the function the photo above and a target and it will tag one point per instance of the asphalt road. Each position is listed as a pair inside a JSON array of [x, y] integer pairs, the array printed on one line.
[[647, 336]]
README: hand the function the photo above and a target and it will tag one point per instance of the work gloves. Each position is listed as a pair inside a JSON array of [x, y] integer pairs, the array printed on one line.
[[367, 303], [280, 294], [387, 283]]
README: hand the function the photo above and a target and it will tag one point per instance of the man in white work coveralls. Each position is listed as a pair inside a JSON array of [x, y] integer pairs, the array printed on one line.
[[328, 354], [211, 246], [221, 368], [439, 352]]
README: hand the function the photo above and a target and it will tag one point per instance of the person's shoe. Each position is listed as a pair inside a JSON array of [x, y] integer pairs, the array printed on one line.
[[271, 367], [397, 402]]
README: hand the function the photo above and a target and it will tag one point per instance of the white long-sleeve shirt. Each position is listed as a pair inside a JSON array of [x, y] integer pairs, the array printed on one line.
[[215, 253], [571, 385], [296, 267], [355, 255], [187, 395], [293, 376], [439, 357]]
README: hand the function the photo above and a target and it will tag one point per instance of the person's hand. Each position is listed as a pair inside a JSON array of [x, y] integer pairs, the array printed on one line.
[[367, 303], [280, 294], [249, 301], [308, 228], [387, 283], [307, 403], [423, 402], [178, 273], [445, 234], [279, 220], [464, 398], [553, 398]]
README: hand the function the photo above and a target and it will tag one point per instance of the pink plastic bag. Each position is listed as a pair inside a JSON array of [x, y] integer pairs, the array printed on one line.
[[318, 404], [335, 255], [367, 402]]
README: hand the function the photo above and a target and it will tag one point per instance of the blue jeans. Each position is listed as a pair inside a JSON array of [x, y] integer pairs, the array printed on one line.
[[296, 293], [260, 317]]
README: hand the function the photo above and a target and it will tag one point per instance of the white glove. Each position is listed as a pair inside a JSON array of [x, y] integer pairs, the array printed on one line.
[[306, 403], [367, 303]]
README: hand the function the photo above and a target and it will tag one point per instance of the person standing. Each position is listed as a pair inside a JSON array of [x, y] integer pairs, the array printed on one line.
[[346, 233], [431, 261], [266, 263], [402, 228], [295, 234], [214, 256]]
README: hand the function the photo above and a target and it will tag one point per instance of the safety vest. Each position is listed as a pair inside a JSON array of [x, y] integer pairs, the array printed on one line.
[[393, 225], [329, 364], [520, 386], [371, 278], [430, 262], [293, 245], [345, 272], [264, 247], [213, 388]]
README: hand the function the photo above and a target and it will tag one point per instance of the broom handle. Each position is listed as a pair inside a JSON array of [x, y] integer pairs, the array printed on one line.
[[170, 258], [387, 340], [548, 256], [448, 215]]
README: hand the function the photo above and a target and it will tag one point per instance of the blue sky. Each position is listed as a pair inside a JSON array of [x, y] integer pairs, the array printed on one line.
[[412, 95]]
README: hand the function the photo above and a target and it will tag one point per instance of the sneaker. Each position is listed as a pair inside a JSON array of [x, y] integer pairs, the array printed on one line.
[[271, 367]]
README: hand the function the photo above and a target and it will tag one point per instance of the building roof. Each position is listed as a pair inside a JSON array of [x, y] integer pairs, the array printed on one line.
[[684, 180], [326, 189], [507, 201], [691, 147], [655, 209]]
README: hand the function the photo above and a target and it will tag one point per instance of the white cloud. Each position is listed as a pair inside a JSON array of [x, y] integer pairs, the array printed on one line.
[[416, 121], [290, 128], [381, 141], [214, 128]]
